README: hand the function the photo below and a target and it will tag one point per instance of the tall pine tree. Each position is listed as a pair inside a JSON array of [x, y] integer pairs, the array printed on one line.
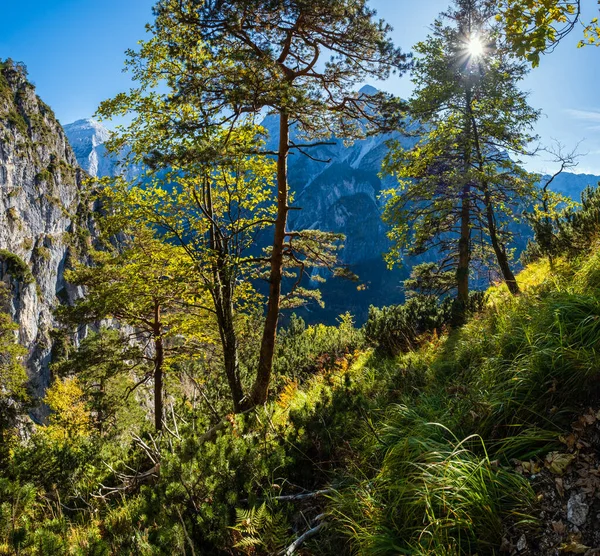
[[460, 185], [234, 61]]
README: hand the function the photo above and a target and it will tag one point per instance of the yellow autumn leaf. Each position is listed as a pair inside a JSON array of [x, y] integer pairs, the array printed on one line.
[[557, 463]]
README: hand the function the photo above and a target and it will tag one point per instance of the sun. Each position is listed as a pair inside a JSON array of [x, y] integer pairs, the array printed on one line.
[[475, 47]]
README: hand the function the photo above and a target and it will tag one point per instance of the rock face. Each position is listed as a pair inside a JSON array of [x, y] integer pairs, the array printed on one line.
[[44, 222], [87, 138]]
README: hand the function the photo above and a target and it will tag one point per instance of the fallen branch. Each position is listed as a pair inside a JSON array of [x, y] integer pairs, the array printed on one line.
[[294, 497], [304, 496], [301, 539], [129, 482]]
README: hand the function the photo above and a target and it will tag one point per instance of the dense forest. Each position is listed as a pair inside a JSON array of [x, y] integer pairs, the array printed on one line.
[[161, 389]]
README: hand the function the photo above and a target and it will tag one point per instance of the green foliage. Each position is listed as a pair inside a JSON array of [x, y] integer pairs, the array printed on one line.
[[41, 252], [303, 350], [145, 283], [535, 27], [400, 328], [458, 191], [105, 364], [44, 176], [428, 279], [260, 530], [506, 384], [13, 214], [417, 446], [17, 121], [213, 71], [564, 230], [509, 382], [397, 329], [70, 417], [17, 268]]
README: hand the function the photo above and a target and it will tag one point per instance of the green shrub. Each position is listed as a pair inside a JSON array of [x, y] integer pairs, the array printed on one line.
[[397, 329], [16, 120], [571, 232], [44, 176], [16, 267], [42, 252], [13, 214], [303, 350]]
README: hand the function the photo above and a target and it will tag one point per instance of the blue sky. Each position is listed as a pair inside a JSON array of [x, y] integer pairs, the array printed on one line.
[[74, 50]]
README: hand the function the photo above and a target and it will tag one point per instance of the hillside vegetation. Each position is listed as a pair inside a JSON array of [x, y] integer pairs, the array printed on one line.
[[159, 393], [438, 450]]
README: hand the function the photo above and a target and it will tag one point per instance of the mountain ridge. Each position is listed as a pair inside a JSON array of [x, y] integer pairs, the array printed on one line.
[[341, 195]]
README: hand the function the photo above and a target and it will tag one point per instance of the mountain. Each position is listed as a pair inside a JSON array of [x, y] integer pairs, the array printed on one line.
[[44, 219], [571, 185], [338, 189], [87, 138]]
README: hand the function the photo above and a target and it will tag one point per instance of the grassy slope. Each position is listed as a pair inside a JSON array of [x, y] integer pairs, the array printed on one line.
[[429, 437], [419, 449]]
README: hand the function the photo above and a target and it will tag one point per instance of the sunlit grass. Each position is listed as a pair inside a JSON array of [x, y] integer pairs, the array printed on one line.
[[504, 386]]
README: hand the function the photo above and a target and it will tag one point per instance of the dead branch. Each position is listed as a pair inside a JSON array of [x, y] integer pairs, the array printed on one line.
[[301, 539]]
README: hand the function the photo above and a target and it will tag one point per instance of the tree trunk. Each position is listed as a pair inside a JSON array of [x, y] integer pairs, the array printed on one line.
[[499, 249], [260, 389], [464, 255], [230, 351], [464, 243], [159, 359], [223, 298]]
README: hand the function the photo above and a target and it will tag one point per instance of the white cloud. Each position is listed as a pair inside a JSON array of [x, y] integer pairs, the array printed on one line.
[[592, 117]]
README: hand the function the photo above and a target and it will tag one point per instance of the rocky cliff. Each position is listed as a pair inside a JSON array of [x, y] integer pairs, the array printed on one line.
[[44, 222]]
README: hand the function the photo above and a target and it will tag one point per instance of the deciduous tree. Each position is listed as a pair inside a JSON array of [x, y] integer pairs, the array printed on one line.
[[146, 284], [535, 27]]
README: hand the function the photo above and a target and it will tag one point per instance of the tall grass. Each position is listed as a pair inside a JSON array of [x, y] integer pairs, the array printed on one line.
[[433, 495], [506, 384]]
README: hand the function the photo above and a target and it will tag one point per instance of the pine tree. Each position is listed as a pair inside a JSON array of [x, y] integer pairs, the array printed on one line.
[[459, 188], [227, 63]]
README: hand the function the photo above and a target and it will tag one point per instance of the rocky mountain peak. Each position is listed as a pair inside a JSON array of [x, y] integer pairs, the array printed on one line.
[[87, 132], [88, 138], [368, 90]]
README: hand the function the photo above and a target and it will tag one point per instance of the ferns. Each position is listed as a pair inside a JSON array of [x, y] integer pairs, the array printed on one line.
[[260, 530]]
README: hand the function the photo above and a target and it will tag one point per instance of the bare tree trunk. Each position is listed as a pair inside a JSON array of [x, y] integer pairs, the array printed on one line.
[[464, 255], [230, 351], [159, 359], [223, 299], [260, 389], [464, 243], [499, 248]]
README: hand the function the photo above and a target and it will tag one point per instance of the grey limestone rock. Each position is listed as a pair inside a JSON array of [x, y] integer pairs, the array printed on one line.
[[45, 221]]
